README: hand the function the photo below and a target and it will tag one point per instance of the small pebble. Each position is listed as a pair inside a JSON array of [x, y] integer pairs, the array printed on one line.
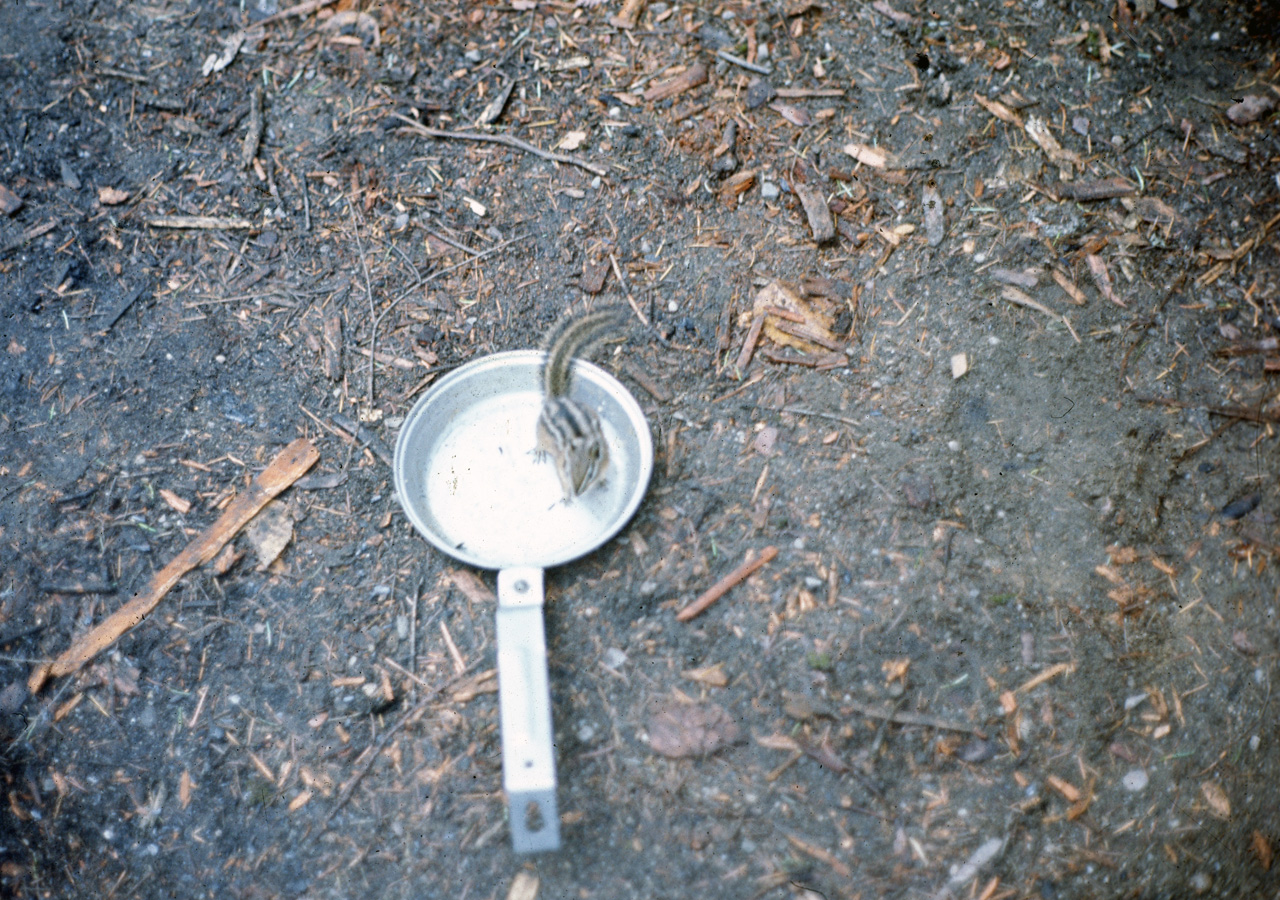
[[1135, 780], [613, 658], [769, 191]]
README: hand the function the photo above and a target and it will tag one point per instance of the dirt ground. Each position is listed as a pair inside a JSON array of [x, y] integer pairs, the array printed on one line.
[[1017, 451]]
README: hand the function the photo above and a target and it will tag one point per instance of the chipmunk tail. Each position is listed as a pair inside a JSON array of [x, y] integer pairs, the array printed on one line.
[[572, 337]]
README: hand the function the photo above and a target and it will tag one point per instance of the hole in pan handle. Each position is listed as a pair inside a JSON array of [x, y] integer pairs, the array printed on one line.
[[524, 701]]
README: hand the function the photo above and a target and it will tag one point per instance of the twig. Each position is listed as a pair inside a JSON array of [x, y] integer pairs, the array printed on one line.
[[1018, 298], [205, 222], [739, 61], [503, 139], [635, 307], [253, 137], [909, 718], [445, 239], [749, 344], [306, 206], [722, 587], [413, 631], [447, 269], [379, 745], [797, 411], [29, 235], [114, 314], [368, 289], [364, 435]]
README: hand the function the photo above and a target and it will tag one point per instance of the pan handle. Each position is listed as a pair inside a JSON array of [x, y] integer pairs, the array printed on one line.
[[524, 698]]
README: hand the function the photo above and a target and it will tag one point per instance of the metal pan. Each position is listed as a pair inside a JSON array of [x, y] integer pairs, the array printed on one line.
[[469, 481]]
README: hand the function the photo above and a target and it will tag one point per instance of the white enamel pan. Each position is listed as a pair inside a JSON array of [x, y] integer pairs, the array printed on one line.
[[469, 481]]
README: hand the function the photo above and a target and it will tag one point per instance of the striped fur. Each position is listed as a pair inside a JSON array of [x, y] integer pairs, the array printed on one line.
[[569, 431]]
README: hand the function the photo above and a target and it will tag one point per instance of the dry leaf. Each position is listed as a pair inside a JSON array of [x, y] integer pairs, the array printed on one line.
[[765, 442], [999, 110], [216, 62], [475, 206], [1122, 556], [824, 755], [935, 227], [1065, 788], [225, 559], [898, 16], [1069, 287], [868, 156], [709, 675], [1250, 109], [365, 25], [178, 503], [10, 202], [1038, 130], [697, 729], [1262, 849], [793, 114], [109, 196], [571, 141], [1216, 797], [185, 787], [524, 886], [805, 316], [1240, 640], [737, 184], [269, 533], [1102, 278], [895, 669], [779, 742]]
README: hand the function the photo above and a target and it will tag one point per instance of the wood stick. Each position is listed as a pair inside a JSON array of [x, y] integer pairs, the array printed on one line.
[[504, 139], [910, 718], [749, 345], [228, 222], [690, 78], [283, 471], [721, 587]]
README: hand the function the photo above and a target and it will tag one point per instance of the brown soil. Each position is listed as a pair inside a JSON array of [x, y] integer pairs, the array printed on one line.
[[1055, 574]]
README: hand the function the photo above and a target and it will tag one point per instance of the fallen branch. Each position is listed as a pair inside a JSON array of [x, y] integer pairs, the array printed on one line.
[[283, 471], [503, 139]]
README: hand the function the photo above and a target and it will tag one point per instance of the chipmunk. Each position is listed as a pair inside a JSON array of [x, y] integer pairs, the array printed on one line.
[[569, 431]]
